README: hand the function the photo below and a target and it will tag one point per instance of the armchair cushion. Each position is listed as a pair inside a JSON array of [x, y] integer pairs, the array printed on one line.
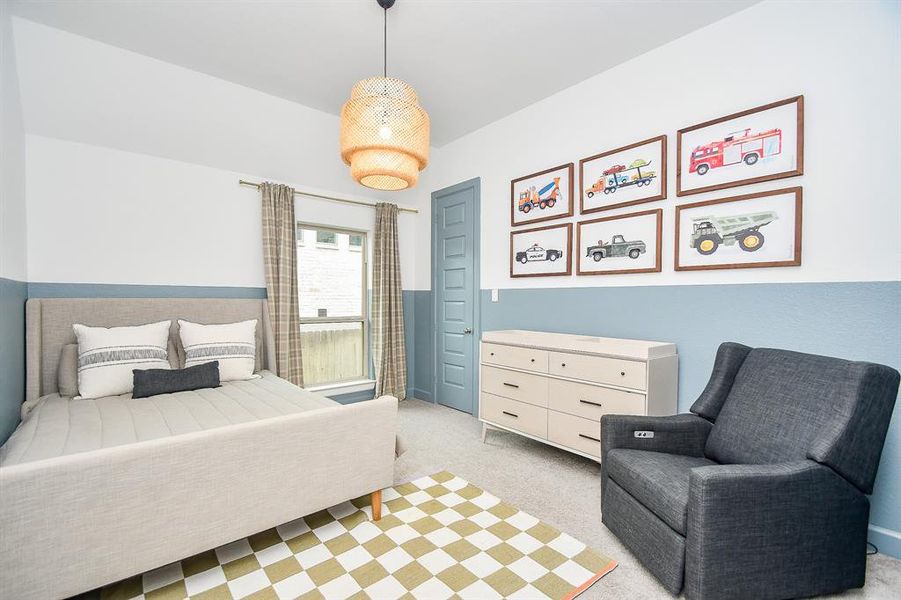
[[657, 480]]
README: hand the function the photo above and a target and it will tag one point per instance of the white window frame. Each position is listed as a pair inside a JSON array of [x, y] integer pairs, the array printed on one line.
[[363, 318]]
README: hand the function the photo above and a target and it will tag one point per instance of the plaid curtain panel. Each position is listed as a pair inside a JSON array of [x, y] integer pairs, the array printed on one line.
[[388, 350], [280, 261]]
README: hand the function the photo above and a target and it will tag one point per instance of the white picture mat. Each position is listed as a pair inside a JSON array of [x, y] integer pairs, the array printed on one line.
[[642, 227], [783, 117], [561, 208], [779, 236], [593, 170], [549, 239]]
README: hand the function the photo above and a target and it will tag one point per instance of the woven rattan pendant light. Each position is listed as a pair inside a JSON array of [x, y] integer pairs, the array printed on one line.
[[384, 131]]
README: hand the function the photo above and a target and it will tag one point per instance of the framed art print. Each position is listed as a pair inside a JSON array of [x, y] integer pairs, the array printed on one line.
[[751, 146], [542, 251], [629, 175], [542, 196], [629, 243], [753, 230]]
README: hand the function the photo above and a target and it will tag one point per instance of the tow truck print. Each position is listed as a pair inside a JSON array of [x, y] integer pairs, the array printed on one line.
[[620, 176]]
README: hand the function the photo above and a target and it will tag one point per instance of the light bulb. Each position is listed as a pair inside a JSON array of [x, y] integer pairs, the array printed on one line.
[[385, 132]]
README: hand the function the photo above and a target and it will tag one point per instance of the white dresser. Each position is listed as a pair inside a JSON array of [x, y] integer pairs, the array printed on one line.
[[554, 387]]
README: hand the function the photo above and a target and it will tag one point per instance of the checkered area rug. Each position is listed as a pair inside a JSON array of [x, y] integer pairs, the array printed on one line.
[[439, 537]]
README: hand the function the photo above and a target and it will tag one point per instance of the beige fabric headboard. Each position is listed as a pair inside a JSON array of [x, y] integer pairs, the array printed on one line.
[[48, 326]]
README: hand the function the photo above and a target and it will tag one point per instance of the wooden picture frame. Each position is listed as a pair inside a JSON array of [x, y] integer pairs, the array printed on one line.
[[567, 190], [794, 261], [568, 227], [658, 245], [661, 178], [718, 150]]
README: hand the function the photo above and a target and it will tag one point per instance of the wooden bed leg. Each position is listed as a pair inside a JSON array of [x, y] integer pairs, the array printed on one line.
[[376, 500]]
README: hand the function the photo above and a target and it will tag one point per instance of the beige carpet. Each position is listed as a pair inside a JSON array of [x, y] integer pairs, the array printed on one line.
[[559, 488], [440, 538]]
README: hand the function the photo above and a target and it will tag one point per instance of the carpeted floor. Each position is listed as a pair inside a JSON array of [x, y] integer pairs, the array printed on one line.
[[557, 487]]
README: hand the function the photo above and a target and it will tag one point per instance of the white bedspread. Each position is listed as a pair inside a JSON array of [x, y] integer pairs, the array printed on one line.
[[59, 425]]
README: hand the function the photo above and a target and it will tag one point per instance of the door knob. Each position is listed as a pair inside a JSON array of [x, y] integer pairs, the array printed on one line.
[[467, 330]]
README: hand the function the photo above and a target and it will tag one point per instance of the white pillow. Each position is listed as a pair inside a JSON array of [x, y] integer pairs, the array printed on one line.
[[232, 344], [107, 356]]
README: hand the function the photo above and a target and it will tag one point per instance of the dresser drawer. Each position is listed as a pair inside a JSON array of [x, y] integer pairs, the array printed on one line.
[[577, 433], [513, 414], [592, 401], [524, 387], [516, 357], [627, 373]]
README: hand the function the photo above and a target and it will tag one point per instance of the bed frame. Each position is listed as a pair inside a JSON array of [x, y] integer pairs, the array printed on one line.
[[77, 522]]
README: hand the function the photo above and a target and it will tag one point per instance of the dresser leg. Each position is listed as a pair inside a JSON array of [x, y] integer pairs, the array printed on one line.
[[484, 432]]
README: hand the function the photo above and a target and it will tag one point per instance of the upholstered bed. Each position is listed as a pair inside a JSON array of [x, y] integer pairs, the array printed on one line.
[[96, 490]]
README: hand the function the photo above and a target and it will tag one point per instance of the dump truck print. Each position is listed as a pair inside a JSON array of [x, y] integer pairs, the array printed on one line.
[[619, 176], [537, 253], [708, 233], [617, 247], [546, 197]]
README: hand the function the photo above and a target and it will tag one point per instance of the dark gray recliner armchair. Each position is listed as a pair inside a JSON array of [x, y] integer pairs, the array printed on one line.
[[761, 492]]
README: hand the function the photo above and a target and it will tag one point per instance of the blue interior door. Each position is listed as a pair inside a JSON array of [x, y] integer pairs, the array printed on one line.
[[455, 213]]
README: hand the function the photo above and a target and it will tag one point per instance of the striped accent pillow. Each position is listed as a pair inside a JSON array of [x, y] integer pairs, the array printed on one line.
[[108, 355], [232, 344]]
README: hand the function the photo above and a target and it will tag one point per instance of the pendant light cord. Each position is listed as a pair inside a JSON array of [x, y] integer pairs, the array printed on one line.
[[385, 46]]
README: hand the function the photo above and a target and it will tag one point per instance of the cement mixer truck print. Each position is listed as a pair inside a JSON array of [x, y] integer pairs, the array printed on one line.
[[546, 197]]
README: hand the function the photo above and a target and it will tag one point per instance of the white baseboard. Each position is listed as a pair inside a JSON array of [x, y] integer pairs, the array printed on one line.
[[887, 540]]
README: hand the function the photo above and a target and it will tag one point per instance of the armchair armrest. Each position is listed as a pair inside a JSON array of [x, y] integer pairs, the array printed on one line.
[[678, 434], [773, 531]]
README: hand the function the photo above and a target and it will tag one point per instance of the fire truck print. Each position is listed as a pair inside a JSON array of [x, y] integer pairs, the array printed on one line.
[[737, 147]]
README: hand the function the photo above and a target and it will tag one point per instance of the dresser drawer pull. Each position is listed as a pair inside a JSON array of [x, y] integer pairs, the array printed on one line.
[[622, 373], [510, 414], [513, 385], [588, 437], [598, 404], [492, 354]]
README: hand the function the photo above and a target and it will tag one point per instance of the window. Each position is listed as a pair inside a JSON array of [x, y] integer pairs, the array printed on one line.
[[331, 281], [326, 238]]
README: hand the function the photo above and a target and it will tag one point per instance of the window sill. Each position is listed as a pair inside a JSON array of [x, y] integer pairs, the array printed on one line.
[[345, 387]]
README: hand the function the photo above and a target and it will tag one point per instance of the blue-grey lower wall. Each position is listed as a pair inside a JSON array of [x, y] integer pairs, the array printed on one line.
[[12, 353], [422, 345], [860, 321]]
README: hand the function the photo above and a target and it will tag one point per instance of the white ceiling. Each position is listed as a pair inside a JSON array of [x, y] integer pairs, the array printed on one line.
[[471, 61]]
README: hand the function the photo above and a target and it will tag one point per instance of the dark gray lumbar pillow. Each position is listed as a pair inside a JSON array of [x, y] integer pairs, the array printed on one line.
[[150, 382]]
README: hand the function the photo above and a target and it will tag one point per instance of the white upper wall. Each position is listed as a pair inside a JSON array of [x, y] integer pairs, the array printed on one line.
[[101, 215], [844, 57], [134, 165], [13, 246]]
